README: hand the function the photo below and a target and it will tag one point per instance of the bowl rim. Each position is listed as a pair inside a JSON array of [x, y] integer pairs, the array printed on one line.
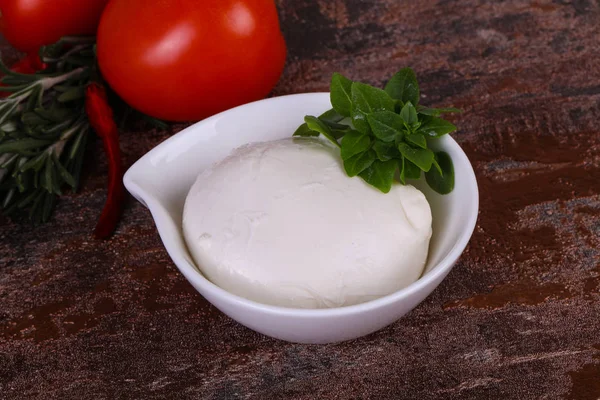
[[193, 274]]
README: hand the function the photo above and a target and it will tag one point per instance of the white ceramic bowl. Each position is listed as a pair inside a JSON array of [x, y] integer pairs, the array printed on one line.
[[161, 179]]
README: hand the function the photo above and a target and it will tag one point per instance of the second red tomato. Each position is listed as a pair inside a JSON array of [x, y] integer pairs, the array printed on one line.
[[183, 60], [29, 24]]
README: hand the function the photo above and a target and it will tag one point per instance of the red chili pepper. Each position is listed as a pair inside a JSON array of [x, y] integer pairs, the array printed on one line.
[[101, 120]]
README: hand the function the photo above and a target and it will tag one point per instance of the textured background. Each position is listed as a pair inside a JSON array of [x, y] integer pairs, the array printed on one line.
[[517, 318]]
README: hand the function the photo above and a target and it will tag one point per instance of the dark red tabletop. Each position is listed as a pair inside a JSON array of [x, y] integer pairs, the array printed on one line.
[[517, 318]]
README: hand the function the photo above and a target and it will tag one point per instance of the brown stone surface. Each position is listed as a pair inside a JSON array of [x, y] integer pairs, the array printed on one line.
[[517, 318]]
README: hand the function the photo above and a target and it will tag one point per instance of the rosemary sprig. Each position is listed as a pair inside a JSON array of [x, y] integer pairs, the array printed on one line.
[[43, 128]]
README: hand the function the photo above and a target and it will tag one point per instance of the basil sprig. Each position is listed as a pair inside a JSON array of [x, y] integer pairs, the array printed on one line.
[[385, 134]]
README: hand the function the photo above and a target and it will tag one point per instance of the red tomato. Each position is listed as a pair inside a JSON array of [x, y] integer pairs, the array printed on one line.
[[183, 60], [29, 24]]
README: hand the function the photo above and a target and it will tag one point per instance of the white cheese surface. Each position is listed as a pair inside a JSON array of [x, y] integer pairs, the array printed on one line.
[[281, 223]]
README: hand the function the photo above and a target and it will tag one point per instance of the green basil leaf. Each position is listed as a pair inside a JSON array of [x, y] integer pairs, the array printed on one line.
[[438, 167], [366, 100], [403, 86], [335, 125], [399, 139], [435, 112], [386, 125], [409, 114], [401, 169], [411, 171], [417, 139], [339, 133], [408, 170], [385, 151], [380, 174], [443, 183], [353, 143], [423, 158], [304, 131], [357, 164], [319, 126], [435, 127], [341, 94], [331, 116]]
